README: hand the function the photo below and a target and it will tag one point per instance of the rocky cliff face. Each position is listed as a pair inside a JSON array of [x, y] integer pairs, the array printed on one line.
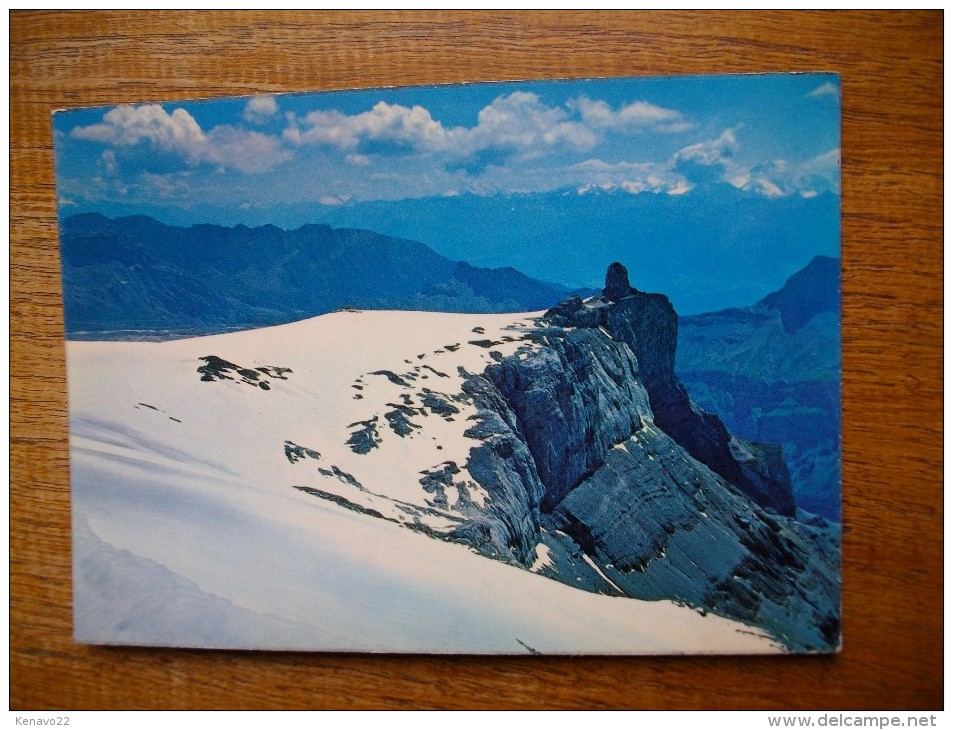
[[648, 326], [592, 448], [772, 372]]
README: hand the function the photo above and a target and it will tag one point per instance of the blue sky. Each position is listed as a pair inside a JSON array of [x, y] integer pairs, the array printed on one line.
[[775, 136]]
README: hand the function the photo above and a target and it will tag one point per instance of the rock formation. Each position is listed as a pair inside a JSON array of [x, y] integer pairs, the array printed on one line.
[[591, 446], [773, 373], [617, 283]]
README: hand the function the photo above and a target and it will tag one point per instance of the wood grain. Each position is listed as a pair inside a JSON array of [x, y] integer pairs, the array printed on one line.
[[892, 73]]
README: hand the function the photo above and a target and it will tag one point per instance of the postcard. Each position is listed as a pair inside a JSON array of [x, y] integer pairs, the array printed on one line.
[[500, 368]]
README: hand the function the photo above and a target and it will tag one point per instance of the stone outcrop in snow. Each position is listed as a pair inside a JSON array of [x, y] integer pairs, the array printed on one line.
[[591, 446]]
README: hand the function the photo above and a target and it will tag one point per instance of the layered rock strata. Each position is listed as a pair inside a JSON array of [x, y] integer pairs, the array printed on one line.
[[591, 448]]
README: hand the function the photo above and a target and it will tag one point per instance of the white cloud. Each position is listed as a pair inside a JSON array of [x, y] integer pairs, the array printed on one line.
[[806, 178], [518, 123], [178, 133], [517, 143], [108, 162], [243, 150], [129, 125], [711, 152], [260, 109], [630, 117], [412, 126], [522, 122], [712, 160], [828, 88]]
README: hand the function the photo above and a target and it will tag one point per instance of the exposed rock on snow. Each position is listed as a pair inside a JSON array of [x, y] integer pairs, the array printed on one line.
[[624, 465], [215, 368], [294, 453], [562, 445]]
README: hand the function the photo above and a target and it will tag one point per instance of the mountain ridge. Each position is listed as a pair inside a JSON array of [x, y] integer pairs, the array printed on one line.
[[684, 245], [141, 278], [772, 372]]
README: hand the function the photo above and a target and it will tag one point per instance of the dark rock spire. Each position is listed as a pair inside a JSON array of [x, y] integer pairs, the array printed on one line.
[[648, 324], [617, 283]]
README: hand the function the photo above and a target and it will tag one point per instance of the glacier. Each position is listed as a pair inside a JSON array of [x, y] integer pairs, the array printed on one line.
[[393, 481]]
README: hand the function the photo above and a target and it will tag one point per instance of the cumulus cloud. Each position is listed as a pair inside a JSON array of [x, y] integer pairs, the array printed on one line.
[[521, 121], [518, 123], [412, 126], [129, 125], [629, 117], [178, 133], [716, 151], [243, 150], [828, 88], [711, 161], [260, 109]]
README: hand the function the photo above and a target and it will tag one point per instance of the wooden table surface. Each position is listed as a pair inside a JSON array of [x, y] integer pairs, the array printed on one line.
[[892, 78]]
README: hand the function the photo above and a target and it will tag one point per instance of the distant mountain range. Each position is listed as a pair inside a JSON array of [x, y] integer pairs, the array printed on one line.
[[137, 278], [707, 249], [772, 372], [712, 247]]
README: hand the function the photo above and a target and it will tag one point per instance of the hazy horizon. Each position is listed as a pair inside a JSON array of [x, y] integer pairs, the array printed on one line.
[[721, 186]]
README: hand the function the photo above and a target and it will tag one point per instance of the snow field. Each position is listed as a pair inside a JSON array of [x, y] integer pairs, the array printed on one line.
[[191, 480]]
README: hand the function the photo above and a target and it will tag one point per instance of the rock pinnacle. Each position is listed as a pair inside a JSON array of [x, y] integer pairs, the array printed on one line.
[[617, 283]]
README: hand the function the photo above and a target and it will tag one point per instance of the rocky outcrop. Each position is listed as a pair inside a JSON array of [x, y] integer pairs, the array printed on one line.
[[617, 283], [572, 400], [660, 526], [507, 526], [591, 446], [772, 371], [648, 326]]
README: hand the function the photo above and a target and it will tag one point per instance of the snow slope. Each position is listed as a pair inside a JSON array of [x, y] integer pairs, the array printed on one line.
[[189, 529]]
